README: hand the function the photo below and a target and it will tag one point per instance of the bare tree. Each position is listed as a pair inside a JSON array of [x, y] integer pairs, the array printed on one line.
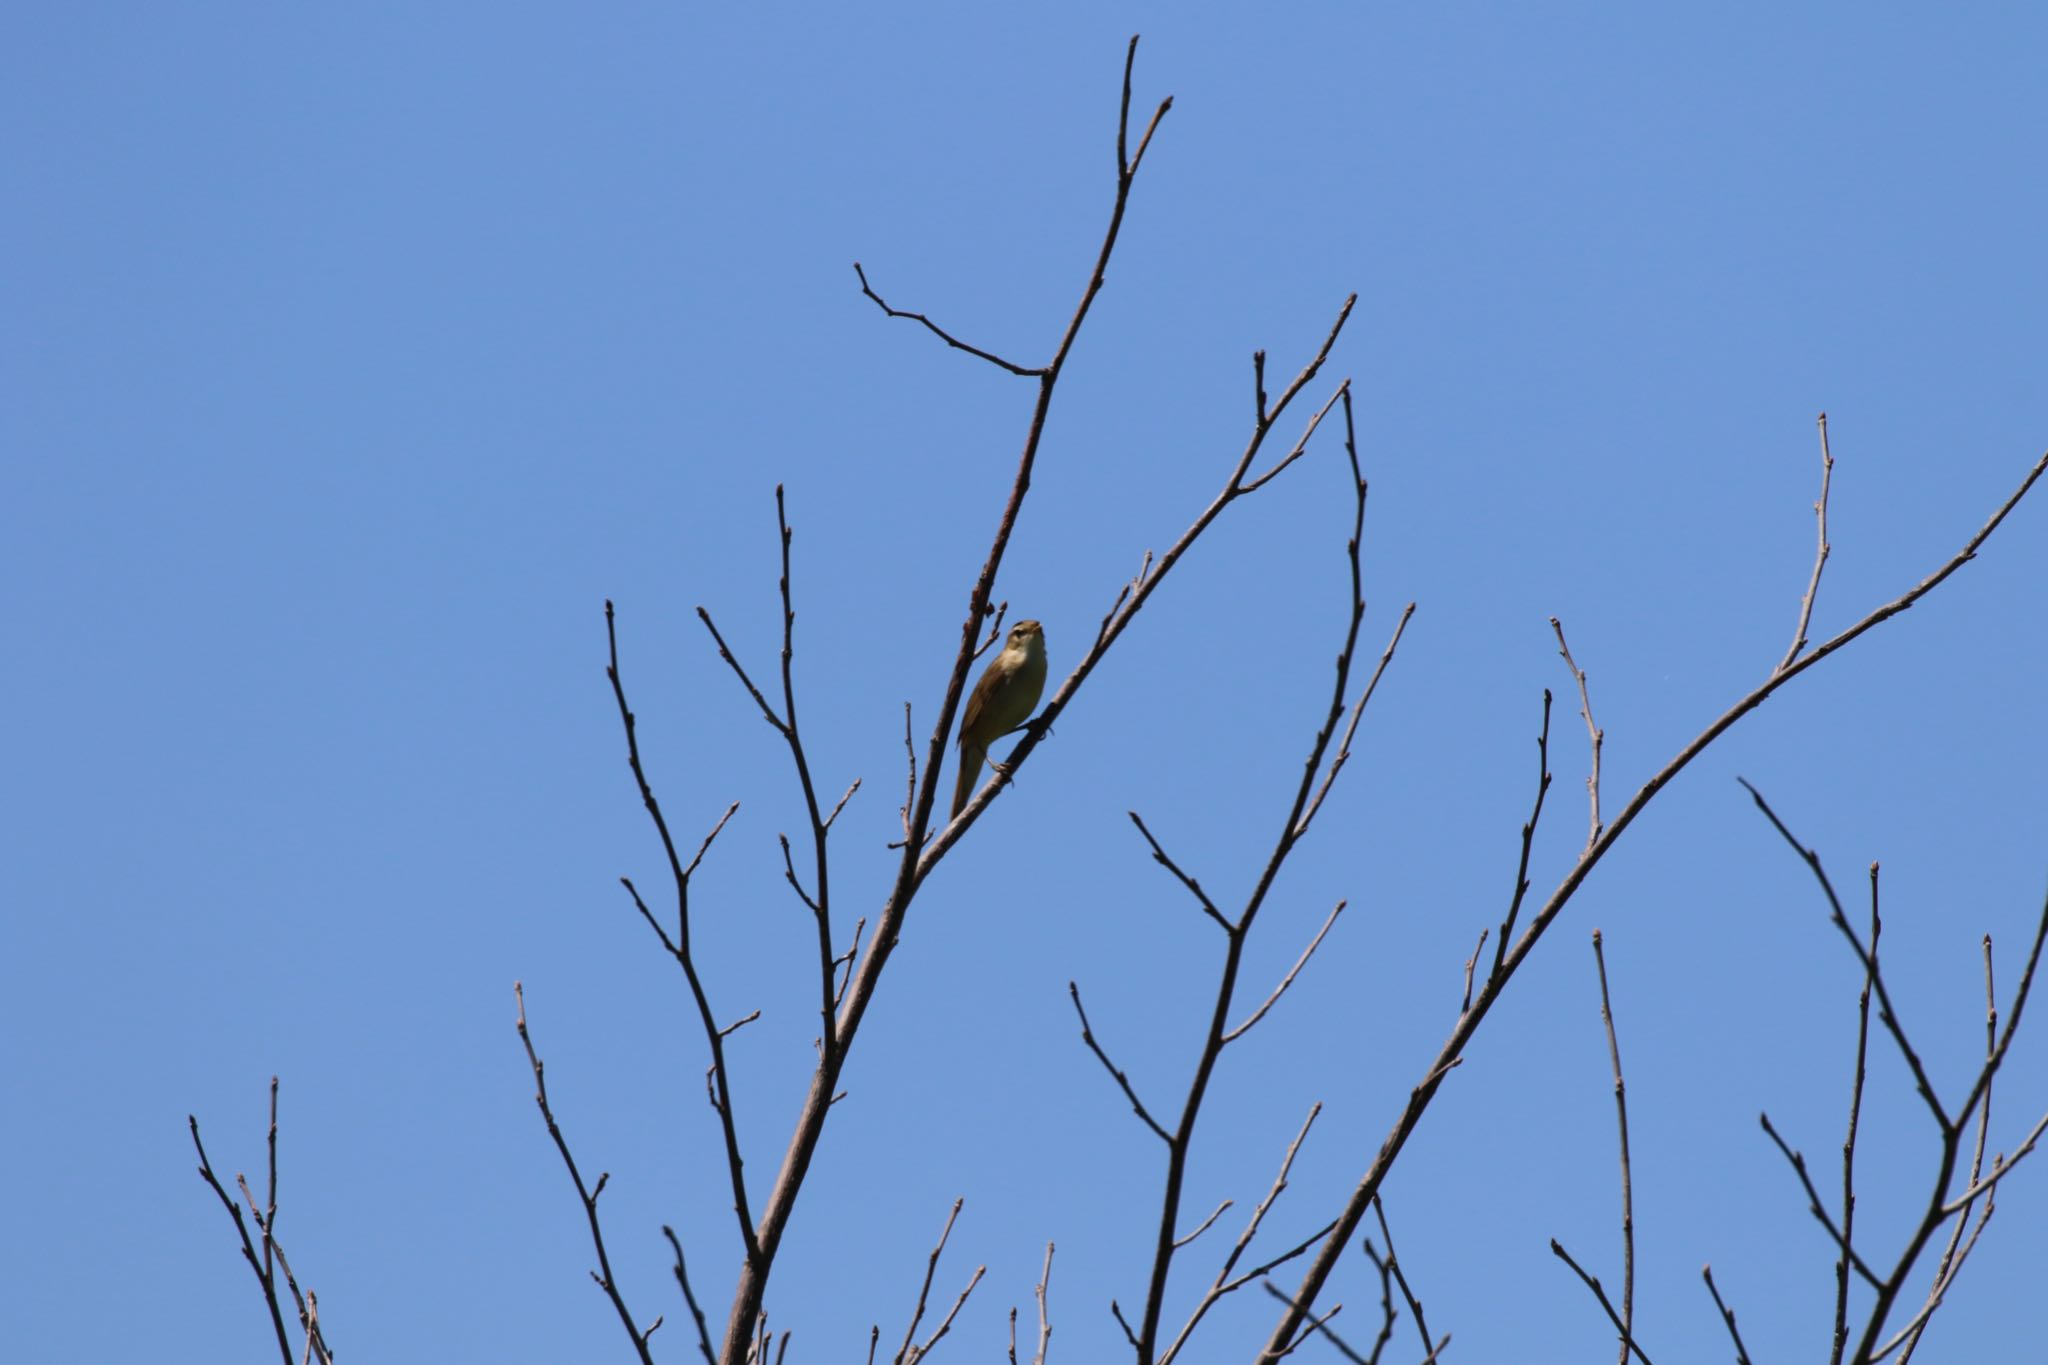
[[851, 961]]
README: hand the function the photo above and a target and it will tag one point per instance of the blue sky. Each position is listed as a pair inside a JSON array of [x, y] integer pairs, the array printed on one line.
[[353, 358]]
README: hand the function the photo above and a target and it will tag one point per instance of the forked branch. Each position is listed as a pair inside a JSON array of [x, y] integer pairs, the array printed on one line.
[[1288, 1327]]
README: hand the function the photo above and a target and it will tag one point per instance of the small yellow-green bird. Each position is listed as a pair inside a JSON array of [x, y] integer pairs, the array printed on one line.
[[1001, 702]]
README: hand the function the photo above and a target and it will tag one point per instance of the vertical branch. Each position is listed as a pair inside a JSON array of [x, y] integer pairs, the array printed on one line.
[[1306, 798], [1507, 924], [1628, 1217], [1951, 1261], [1848, 1256], [1593, 734], [821, 904], [679, 946], [1820, 555], [266, 1279], [918, 860]]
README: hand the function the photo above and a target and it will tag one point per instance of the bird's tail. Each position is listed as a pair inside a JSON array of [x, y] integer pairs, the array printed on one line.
[[972, 757]]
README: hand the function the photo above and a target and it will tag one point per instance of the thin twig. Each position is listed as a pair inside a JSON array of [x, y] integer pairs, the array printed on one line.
[[1593, 734], [1470, 963], [931, 1266], [1223, 1284], [1116, 1311], [1820, 555], [1797, 1160], [1044, 1318], [1727, 1316], [1358, 708], [1841, 1336], [995, 629], [1507, 924], [679, 946], [1885, 1013], [1288, 980], [1950, 1263], [1408, 1296], [260, 1266], [1316, 1325], [1592, 1282], [1123, 1081], [1205, 1225], [945, 1326], [689, 1296], [587, 1194], [847, 957], [1194, 887], [910, 787], [1628, 1217], [1028, 372], [1387, 1314]]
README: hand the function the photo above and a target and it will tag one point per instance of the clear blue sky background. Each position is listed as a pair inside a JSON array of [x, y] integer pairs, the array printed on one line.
[[354, 356]]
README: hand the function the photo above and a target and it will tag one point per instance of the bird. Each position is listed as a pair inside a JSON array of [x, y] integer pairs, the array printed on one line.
[[1000, 703]]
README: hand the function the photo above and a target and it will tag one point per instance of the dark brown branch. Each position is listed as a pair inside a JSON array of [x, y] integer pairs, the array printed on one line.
[[1940, 1205], [1592, 1282], [1950, 1263], [1593, 734], [270, 1197], [1468, 1024], [1116, 1073], [918, 857], [1319, 1325], [1194, 887], [1885, 1013], [1116, 1311], [1727, 1316], [1379, 1212], [1841, 1334], [995, 629], [266, 1279], [847, 957], [941, 333], [1387, 1314], [585, 1193], [689, 1296], [1507, 925], [679, 946], [1628, 1215], [1797, 1160], [1291, 831], [309, 1317], [1820, 556]]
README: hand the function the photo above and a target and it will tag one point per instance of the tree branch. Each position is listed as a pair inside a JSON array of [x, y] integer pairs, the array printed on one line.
[[1820, 556], [586, 1193], [1469, 1023]]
